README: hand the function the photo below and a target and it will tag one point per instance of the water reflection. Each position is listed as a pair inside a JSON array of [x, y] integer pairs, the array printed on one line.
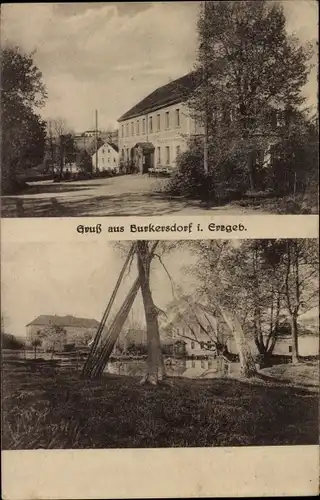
[[189, 368]]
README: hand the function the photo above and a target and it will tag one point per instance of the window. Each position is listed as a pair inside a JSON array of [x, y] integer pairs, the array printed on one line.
[[103, 151], [202, 364], [132, 128], [127, 154], [122, 153], [108, 159], [192, 345], [138, 127], [127, 130], [178, 150], [210, 364], [150, 124], [122, 130], [167, 155], [167, 119], [114, 160], [290, 348], [109, 151], [177, 117], [158, 155], [193, 364], [158, 123], [144, 126]]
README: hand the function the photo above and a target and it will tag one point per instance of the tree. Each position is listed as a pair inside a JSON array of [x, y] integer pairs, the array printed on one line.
[[61, 148], [213, 293], [155, 362], [55, 337], [22, 131], [248, 69], [301, 267], [35, 343], [85, 162]]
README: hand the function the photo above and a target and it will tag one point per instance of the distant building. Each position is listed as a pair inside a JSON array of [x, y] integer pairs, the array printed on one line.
[[131, 337], [108, 158], [78, 331], [155, 131], [91, 133], [308, 345]]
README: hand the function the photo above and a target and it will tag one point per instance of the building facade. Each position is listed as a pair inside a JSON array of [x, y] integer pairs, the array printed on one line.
[[155, 131], [108, 158], [68, 330]]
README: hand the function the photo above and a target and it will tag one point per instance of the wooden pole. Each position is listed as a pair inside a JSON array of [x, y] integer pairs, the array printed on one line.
[[106, 313], [97, 362], [96, 140]]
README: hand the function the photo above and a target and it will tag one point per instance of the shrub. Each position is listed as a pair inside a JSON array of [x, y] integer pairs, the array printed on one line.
[[225, 181]]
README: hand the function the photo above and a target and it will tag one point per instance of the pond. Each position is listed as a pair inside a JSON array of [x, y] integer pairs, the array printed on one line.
[[189, 368], [180, 367]]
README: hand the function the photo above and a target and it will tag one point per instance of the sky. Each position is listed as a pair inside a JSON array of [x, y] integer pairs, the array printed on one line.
[[108, 56], [66, 278]]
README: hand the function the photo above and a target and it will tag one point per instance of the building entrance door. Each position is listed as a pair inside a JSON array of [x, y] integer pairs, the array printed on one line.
[[147, 162]]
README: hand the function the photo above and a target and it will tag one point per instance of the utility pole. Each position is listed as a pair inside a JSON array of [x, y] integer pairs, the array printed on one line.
[[96, 140], [205, 81]]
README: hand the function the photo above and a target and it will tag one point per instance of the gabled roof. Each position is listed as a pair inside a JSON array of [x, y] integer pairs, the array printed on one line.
[[48, 320], [176, 91], [111, 145]]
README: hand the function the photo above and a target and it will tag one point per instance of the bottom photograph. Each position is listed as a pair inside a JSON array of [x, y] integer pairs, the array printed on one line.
[[148, 344]]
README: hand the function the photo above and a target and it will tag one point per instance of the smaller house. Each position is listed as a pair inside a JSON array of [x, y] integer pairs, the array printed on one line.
[[173, 347], [106, 158]]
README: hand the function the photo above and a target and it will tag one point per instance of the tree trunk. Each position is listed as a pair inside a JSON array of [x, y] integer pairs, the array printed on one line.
[[155, 364], [252, 170], [62, 153], [247, 364], [294, 337]]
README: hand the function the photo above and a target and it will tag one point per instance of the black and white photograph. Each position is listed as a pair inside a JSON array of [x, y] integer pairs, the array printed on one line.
[[160, 344], [159, 108]]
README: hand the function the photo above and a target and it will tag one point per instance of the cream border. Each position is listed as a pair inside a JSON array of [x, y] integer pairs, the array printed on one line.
[[161, 473]]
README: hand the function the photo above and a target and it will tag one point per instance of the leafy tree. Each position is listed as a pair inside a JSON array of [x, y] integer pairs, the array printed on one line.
[[55, 338], [250, 73], [22, 131], [301, 268], [35, 343], [155, 362], [84, 162], [264, 282]]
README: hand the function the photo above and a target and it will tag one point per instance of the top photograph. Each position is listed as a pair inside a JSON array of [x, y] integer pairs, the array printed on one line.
[[159, 108]]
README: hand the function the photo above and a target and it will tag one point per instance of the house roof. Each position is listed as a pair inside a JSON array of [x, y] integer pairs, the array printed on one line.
[[47, 320], [171, 93], [111, 145]]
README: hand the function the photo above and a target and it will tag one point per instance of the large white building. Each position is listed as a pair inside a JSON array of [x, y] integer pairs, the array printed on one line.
[[155, 131]]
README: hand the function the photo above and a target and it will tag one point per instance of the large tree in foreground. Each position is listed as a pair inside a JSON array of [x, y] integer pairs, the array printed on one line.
[[249, 67], [22, 131], [155, 364]]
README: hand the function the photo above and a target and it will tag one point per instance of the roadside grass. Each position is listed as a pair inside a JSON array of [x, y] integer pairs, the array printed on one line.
[[58, 410], [305, 374]]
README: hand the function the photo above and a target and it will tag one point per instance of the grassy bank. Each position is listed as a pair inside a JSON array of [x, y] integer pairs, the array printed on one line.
[[57, 410]]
